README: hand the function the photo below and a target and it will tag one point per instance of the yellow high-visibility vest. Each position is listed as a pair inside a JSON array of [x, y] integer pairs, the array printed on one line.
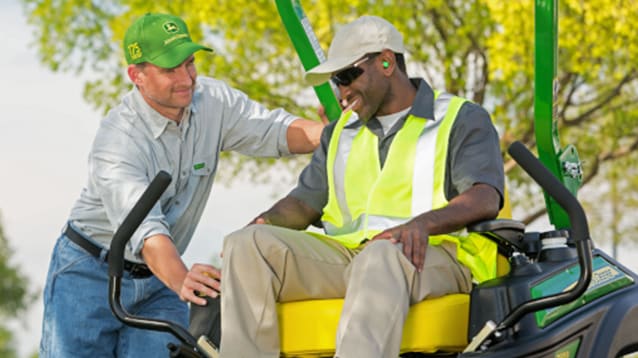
[[365, 199]]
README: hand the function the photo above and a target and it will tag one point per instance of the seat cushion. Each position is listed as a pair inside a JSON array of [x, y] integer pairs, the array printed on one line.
[[308, 328]]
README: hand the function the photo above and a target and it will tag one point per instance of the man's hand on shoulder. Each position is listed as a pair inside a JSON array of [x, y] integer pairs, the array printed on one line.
[[304, 135]]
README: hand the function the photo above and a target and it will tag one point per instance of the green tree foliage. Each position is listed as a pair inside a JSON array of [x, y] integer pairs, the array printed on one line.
[[482, 49], [14, 296]]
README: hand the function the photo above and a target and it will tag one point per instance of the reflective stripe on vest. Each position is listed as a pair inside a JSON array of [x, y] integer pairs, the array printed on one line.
[[410, 183]]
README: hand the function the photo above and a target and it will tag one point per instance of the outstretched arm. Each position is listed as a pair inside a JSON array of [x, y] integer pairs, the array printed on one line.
[[304, 135], [162, 258]]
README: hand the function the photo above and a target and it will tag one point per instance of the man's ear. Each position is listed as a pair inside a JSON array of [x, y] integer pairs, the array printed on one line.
[[134, 74], [388, 60]]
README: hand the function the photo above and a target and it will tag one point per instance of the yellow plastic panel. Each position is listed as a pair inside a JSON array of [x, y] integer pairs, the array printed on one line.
[[308, 328]]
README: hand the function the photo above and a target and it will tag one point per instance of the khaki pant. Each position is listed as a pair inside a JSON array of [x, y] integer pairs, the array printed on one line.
[[264, 265]]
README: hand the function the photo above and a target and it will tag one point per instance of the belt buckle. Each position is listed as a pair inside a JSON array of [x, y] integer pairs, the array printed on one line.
[[139, 270]]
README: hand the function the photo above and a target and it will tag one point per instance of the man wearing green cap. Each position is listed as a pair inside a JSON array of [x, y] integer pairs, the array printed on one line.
[[174, 121]]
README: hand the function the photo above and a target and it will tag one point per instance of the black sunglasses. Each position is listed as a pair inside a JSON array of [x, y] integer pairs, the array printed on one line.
[[347, 76]]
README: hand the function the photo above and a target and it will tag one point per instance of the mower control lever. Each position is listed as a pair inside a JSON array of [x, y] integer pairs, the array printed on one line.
[[580, 233]]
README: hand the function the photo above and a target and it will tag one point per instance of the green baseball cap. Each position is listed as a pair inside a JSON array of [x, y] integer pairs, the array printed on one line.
[[160, 39]]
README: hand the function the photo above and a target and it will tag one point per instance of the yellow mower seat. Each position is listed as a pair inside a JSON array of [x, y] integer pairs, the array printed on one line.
[[308, 328]]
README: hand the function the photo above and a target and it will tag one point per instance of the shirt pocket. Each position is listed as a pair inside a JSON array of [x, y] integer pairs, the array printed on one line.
[[204, 165]]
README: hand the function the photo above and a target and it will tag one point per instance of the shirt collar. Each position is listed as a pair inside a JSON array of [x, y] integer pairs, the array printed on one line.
[[423, 105], [155, 121]]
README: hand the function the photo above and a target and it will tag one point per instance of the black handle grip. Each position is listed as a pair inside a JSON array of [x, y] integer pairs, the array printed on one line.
[[135, 217], [547, 181], [580, 233], [116, 262]]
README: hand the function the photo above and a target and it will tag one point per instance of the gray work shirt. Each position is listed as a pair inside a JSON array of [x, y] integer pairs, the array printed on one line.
[[134, 142], [474, 154]]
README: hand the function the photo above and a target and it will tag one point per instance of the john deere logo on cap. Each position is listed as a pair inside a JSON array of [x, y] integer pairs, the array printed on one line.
[[170, 27], [135, 51]]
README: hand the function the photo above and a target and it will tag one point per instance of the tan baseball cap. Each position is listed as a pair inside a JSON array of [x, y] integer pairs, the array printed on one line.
[[367, 34], [160, 39]]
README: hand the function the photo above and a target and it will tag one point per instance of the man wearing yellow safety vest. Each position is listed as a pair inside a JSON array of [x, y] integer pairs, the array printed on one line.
[[401, 171]]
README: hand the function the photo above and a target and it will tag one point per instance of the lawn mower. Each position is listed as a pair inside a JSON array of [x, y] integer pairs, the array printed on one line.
[[561, 297], [556, 294]]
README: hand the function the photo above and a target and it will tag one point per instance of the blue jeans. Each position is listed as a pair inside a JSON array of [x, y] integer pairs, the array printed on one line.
[[78, 321]]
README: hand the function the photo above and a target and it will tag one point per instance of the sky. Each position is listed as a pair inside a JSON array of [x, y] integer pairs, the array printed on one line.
[[46, 130]]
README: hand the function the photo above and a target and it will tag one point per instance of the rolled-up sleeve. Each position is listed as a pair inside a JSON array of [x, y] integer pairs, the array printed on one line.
[[247, 126]]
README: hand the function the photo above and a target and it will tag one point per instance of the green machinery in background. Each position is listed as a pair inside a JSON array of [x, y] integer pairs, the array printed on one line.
[[310, 53], [562, 162]]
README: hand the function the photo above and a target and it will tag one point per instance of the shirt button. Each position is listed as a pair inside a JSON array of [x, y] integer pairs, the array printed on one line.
[[184, 173]]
